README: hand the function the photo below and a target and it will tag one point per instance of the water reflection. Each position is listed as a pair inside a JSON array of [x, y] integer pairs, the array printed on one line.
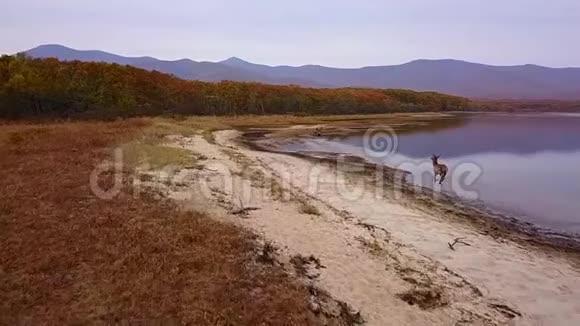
[[530, 164], [488, 133]]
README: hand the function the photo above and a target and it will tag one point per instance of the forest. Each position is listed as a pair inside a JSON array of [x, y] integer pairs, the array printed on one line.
[[510, 105], [49, 88]]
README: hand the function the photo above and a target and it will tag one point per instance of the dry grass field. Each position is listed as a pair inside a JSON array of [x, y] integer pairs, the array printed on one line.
[[68, 257]]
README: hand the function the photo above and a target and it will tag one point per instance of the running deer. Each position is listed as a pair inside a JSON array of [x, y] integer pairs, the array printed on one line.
[[438, 169]]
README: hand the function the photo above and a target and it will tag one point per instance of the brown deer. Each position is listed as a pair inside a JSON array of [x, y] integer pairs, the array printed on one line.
[[318, 132], [438, 169]]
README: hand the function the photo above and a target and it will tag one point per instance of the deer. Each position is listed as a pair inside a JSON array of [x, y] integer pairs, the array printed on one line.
[[318, 132], [438, 169]]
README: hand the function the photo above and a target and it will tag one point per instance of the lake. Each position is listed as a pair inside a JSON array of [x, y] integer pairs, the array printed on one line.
[[527, 165]]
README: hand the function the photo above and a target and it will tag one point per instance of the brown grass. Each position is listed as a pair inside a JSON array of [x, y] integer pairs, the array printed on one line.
[[373, 246], [425, 298], [307, 208], [155, 156], [205, 125], [68, 257]]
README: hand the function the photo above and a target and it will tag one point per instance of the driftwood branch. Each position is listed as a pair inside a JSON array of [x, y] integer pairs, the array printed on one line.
[[243, 211], [456, 241]]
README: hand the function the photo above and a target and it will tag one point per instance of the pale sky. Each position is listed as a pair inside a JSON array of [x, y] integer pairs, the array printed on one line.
[[327, 32]]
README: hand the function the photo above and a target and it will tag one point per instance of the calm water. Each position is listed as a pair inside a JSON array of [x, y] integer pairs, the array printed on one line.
[[527, 164]]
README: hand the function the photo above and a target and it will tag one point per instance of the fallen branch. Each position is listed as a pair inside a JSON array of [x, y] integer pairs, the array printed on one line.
[[456, 241], [245, 210]]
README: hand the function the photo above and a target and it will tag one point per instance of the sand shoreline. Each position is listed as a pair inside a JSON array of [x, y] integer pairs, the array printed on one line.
[[489, 221], [386, 257]]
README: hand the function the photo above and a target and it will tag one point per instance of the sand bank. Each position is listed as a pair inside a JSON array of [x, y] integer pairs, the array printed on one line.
[[384, 255]]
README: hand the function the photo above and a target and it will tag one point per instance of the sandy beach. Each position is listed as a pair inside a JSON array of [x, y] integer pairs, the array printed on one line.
[[392, 259]]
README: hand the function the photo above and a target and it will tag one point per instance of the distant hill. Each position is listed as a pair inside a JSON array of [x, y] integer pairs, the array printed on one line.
[[448, 76], [184, 68]]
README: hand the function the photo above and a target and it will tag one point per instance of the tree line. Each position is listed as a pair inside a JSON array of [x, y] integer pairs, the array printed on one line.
[[50, 88]]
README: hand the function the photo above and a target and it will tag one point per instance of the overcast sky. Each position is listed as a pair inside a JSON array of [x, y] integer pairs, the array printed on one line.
[[328, 32]]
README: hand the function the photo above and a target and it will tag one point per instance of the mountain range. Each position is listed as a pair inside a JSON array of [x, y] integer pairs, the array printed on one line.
[[449, 76]]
